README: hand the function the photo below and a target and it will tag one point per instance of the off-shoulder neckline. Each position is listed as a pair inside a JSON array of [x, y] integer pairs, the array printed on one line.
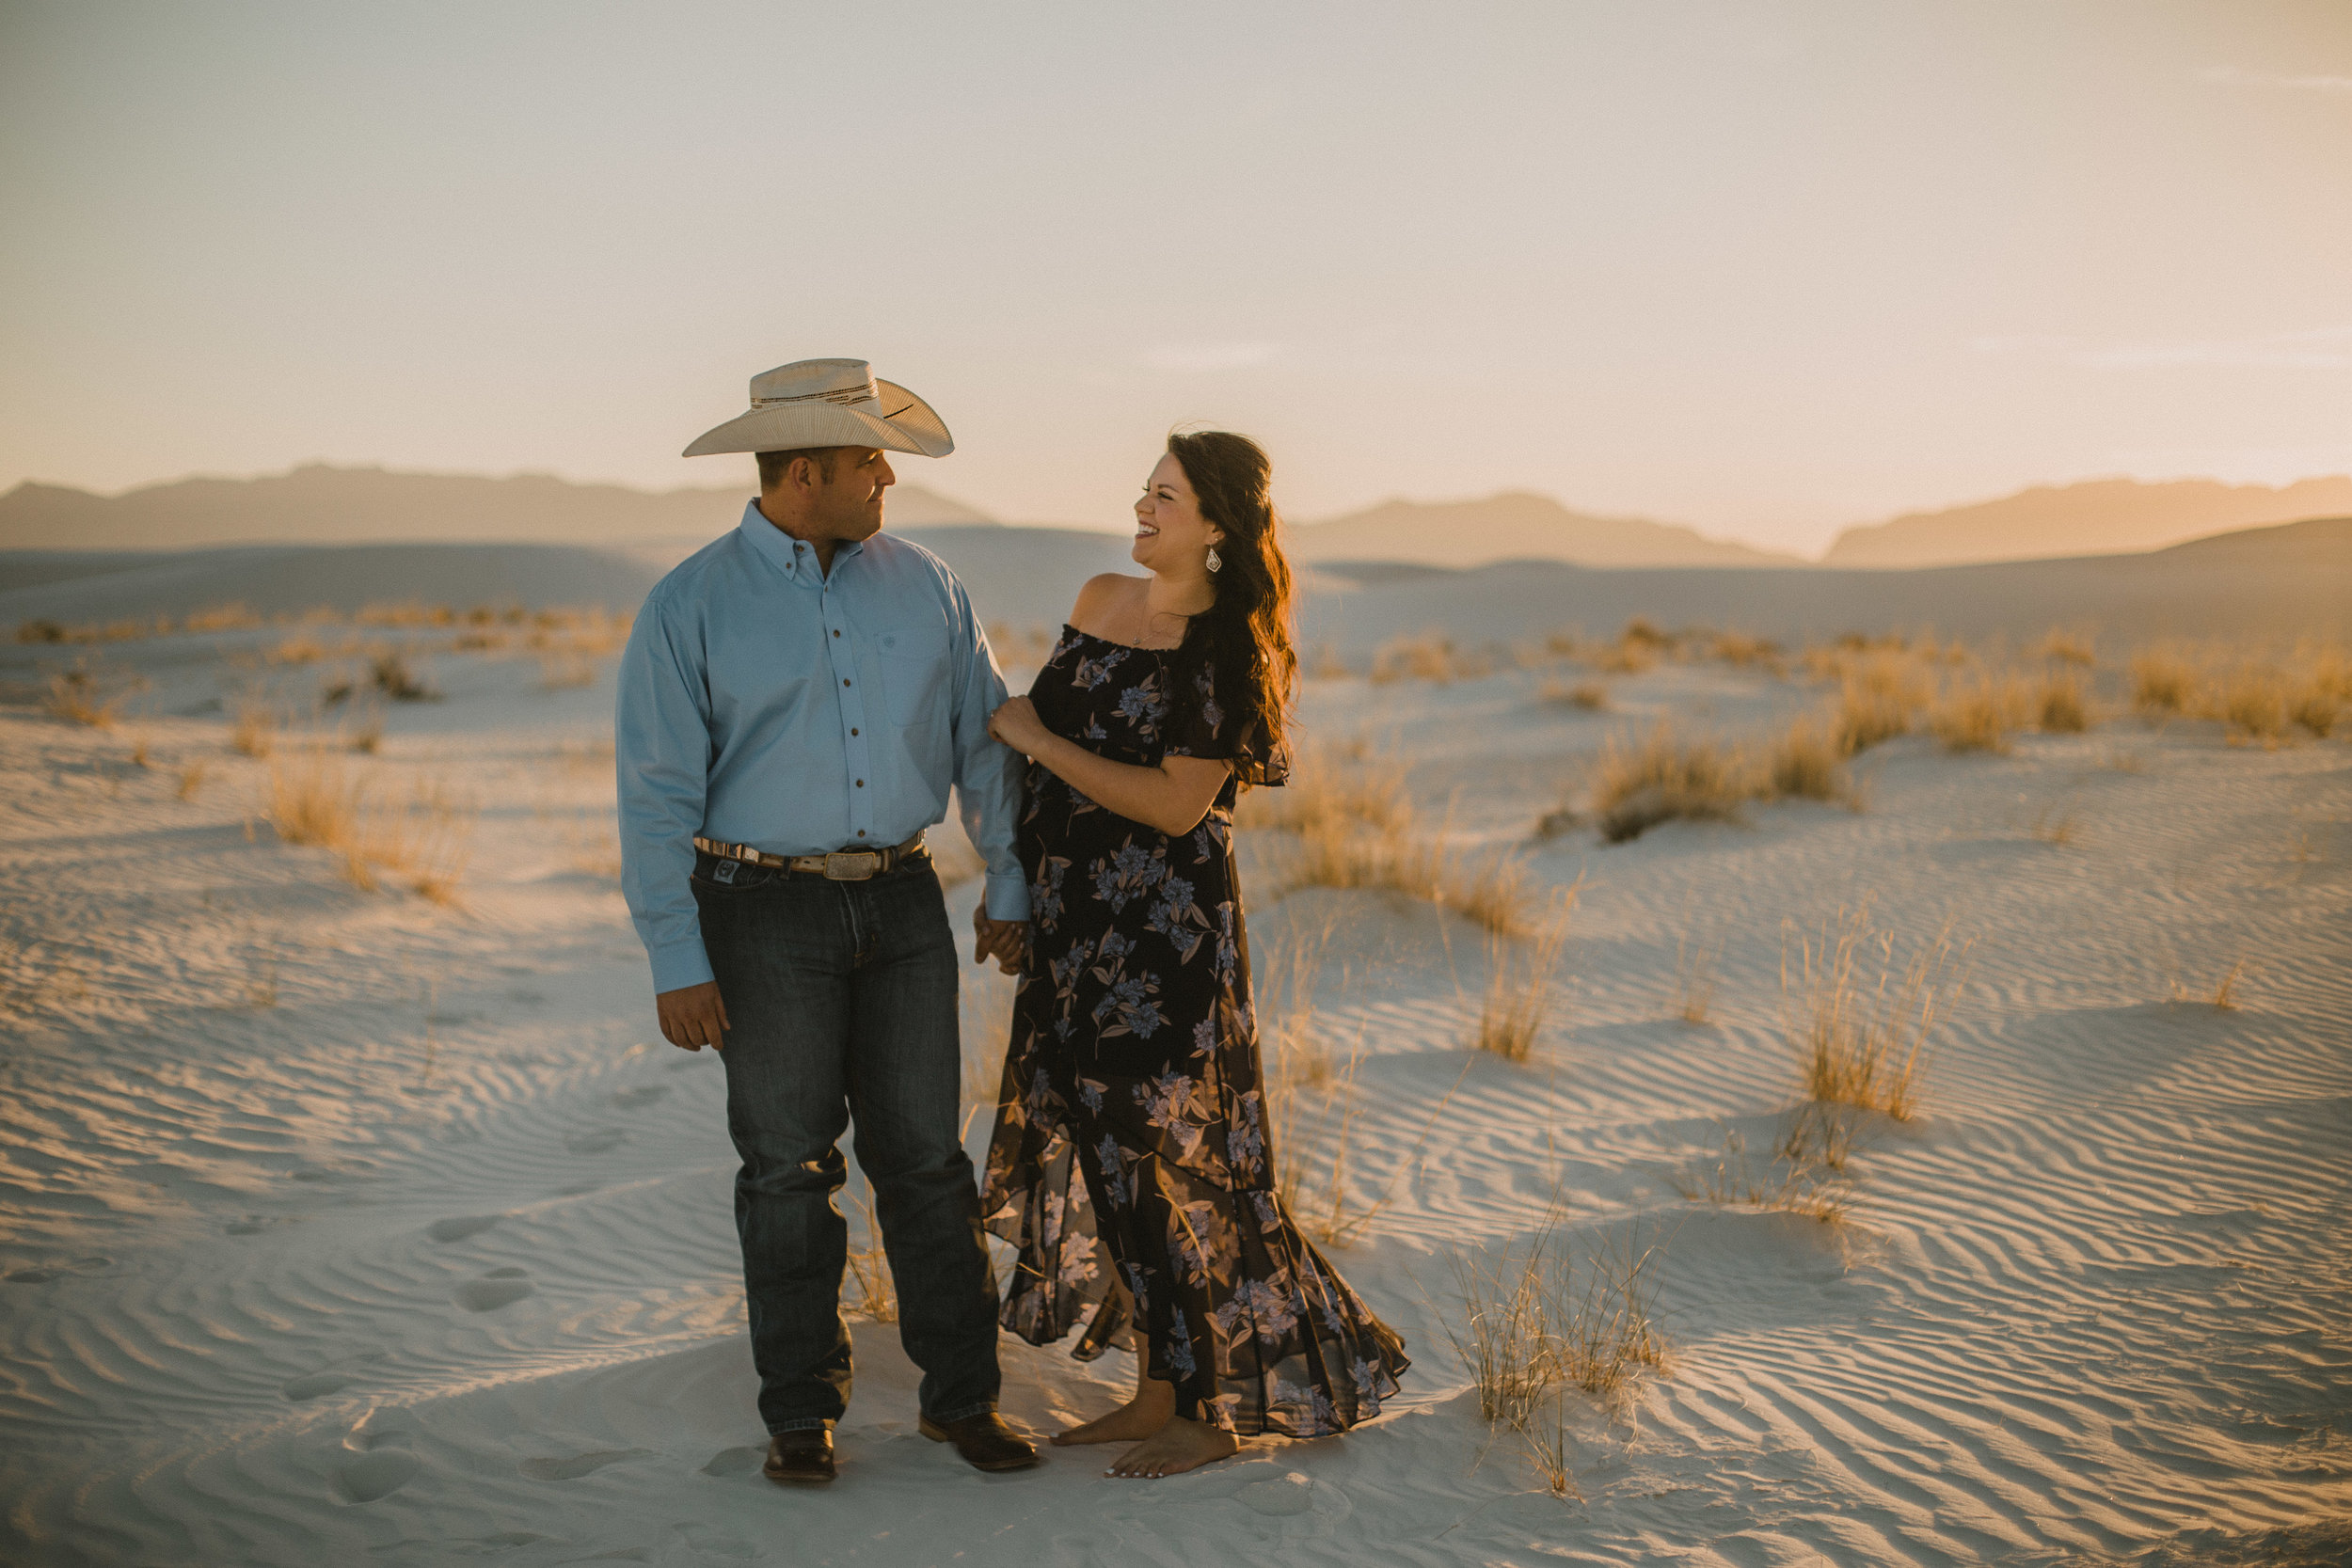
[[1131, 647]]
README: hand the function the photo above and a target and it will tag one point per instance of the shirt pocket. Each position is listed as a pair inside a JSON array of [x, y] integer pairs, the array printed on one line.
[[915, 672]]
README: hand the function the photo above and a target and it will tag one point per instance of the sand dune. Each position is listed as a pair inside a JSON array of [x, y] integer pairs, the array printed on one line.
[[349, 1226], [319, 503], [2096, 518], [1514, 526]]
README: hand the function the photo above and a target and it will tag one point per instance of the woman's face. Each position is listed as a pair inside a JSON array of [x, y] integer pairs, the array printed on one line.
[[1170, 533]]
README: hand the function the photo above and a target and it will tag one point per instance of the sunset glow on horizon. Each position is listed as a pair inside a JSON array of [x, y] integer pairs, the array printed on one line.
[[1766, 270]]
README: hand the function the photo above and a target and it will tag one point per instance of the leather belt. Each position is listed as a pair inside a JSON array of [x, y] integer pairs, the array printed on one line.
[[841, 865]]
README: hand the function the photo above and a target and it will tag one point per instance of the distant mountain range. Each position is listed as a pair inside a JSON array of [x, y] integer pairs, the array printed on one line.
[[1514, 526], [321, 505], [2107, 516]]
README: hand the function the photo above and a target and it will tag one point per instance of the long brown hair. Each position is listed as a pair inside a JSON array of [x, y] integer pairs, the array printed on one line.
[[1249, 626]]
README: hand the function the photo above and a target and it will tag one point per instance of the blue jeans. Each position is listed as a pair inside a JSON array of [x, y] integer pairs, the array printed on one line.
[[842, 998]]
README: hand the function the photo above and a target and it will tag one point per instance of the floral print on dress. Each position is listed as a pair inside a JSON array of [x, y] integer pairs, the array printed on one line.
[[1130, 1140]]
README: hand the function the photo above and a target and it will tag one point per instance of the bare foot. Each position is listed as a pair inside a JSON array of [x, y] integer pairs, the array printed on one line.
[[1177, 1447], [1138, 1419]]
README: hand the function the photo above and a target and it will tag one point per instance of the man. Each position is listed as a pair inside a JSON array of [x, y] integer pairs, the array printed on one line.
[[794, 702]]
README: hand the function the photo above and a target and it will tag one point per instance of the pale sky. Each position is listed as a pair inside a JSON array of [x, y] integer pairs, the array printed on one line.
[[1764, 268]]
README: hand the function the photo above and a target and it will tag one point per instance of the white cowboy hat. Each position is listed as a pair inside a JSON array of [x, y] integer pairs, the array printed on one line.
[[828, 402]]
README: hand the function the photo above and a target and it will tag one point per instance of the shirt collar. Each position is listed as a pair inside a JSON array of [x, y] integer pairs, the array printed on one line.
[[794, 557]]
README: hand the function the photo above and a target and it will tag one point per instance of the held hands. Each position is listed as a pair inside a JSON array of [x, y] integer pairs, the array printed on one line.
[[692, 1016], [1015, 723], [1002, 939]]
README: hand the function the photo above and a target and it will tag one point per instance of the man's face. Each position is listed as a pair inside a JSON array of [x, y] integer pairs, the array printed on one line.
[[850, 506]]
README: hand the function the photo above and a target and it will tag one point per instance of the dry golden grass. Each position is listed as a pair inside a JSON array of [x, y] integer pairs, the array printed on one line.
[[1430, 655], [420, 839], [1878, 695], [2061, 705], [984, 1008], [1536, 1320], [1624, 659], [868, 1274], [253, 730], [1333, 788], [1977, 713], [1804, 761], [227, 617], [1859, 1024], [2163, 681], [367, 737], [2064, 647], [1520, 983], [2252, 699], [1591, 696], [1663, 778], [313, 801], [79, 697], [1808, 1172], [2056, 822], [2314, 709], [1740, 650], [191, 779], [1694, 977], [390, 674]]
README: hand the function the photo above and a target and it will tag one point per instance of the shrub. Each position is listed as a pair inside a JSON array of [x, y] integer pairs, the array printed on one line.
[[1589, 695], [1861, 1039], [2162, 681], [2252, 700], [1804, 761], [1661, 778], [1976, 715], [1878, 697], [2061, 707]]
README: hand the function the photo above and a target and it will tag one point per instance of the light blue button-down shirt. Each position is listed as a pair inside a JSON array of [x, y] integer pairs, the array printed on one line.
[[765, 702]]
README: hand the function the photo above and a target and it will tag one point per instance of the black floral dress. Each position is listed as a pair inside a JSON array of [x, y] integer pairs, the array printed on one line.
[[1131, 1131]]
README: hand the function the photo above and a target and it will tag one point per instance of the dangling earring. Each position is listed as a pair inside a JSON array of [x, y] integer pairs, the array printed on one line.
[[1216, 563]]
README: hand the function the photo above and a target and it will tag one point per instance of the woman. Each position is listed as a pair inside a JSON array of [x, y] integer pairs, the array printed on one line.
[[1132, 1164]]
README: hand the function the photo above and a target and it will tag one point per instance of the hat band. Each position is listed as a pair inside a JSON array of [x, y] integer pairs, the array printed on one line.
[[847, 394]]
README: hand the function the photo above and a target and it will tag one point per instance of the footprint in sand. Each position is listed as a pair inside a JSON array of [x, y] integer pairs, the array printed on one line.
[[575, 1465], [645, 1094], [459, 1228], [597, 1142], [736, 1462], [497, 1289]]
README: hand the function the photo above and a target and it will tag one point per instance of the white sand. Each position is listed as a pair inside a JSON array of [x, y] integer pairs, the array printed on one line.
[[345, 1228]]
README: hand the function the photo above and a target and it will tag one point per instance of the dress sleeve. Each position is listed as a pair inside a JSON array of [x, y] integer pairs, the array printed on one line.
[[1207, 719]]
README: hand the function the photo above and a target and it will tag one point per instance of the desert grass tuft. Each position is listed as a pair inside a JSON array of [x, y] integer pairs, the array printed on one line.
[[2163, 681], [2061, 706], [1520, 983], [1804, 761], [1695, 978], [392, 678], [1536, 1320], [1663, 778], [1878, 695], [253, 732], [2252, 700], [1810, 1171], [1976, 714], [2063, 647], [1589, 696], [1859, 1024], [78, 696], [869, 1273], [191, 779]]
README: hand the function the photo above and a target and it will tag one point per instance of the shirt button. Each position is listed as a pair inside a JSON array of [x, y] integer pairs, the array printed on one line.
[[861, 783], [861, 832], [845, 680], [836, 634], [853, 729]]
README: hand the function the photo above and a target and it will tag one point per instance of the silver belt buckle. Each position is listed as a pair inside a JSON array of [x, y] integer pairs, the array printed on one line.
[[851, 865]]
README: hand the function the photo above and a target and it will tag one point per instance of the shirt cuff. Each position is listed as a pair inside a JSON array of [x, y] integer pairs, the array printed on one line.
[[1007, 898], [679, 965]]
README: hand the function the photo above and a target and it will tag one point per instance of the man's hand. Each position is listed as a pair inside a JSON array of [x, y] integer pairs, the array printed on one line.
[[694, 1017], [1003, 939]]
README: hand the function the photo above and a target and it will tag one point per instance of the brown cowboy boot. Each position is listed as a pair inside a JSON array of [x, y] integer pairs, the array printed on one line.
[[799, 1456], [984, 1440]]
